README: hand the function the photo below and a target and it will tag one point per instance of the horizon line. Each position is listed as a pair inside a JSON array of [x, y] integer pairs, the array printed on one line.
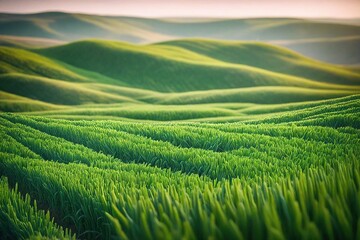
[[181, 17]]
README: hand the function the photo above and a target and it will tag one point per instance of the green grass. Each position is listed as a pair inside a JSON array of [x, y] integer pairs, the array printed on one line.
[[15, 60], [56, 92], [21, 219], [315, 113], [187, 139], [292, 175], [208, 112], [147, 112], [282, 175], [265, 56], [260, 95]]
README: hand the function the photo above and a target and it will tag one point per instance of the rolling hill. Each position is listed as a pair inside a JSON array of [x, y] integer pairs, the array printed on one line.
[[174, 80], [177, 139], [170, 68], [50, 27]]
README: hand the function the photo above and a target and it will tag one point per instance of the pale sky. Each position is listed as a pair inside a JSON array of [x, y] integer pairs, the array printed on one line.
[[193, 8]]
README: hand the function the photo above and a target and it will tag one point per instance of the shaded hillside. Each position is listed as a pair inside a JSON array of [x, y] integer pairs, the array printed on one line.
[[54, 91], [345, 50], [265, 56], [15, 60], [171, 68]]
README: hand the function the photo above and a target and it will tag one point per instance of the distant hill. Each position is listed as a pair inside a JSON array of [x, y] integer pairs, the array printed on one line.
[[292, 33], [27, 42], [342, 50]]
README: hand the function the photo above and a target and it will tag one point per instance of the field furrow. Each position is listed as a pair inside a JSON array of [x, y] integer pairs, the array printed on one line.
[[21, 217]]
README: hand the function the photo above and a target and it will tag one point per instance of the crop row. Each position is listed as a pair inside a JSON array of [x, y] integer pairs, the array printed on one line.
[[319, 203], [104, 179], [21, 219], [341, 114], [251, 153], [131, 148], [214, 137], [43, 146]]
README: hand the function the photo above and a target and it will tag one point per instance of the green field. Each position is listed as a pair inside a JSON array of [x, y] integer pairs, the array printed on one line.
[[177, 139], [293, 175]]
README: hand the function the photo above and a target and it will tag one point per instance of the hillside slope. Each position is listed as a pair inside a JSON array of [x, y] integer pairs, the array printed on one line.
[[265, 56], [219, 79], [343, 50], [170, 68]]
